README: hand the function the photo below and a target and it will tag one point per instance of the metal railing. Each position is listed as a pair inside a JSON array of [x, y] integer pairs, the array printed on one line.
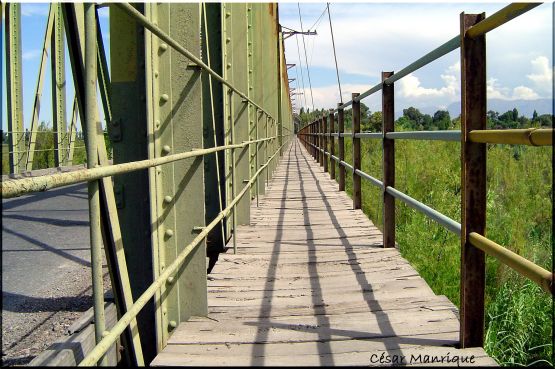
[[319, 140], [274, 139]]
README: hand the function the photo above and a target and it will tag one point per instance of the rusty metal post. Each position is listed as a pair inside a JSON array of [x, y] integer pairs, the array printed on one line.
[[473, 182], [325, 142], [388, 113], [341, 145], [321, 140], [357, 195], [332, 145]]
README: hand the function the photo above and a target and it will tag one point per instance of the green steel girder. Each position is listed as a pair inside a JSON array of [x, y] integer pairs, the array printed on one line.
[[57, 62], [175, 124], [213, 129], [14, 83], [38, 89]]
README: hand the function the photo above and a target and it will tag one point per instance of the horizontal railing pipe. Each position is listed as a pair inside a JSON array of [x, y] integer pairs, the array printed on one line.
[[433, 55], [376, 182], [17, 187], [374, 135], [516, 262], [442, 219], [425, 135], [530, 136], [499, 18], [104, 345]]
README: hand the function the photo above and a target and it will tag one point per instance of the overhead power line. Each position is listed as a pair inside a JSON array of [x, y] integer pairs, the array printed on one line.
[[335, 55], [306, 60]]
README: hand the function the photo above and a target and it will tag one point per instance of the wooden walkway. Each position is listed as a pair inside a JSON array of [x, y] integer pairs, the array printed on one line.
[[312, 285]]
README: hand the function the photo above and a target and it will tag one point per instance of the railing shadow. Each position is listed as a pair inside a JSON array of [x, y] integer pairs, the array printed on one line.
[[257, 357]]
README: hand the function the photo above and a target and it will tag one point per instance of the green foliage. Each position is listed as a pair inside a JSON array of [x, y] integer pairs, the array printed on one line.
[[519, 199]]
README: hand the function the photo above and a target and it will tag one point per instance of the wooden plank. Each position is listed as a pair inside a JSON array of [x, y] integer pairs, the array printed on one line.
[[312, 285]]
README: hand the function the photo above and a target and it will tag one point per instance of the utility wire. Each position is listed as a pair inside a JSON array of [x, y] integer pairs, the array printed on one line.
[[335, 56], [301, 67], [306, 61], [320, 17]]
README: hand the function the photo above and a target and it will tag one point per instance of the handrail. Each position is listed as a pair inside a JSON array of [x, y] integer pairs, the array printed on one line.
[[108, 340], [499, 18], [17, 187], [530, 136], [516, 262]]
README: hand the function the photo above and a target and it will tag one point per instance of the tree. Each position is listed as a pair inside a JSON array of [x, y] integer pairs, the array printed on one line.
[[442, 119]]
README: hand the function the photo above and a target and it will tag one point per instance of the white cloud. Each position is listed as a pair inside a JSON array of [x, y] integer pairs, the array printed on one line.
[[29, 10], [524, 93], [410, 86], [542, 74], [31, 54], [497, 91]]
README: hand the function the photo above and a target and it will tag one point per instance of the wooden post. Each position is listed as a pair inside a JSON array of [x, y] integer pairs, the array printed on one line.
[[473, 183], [325, 142], [341, 145], [321, 140], [357, 194], [388, 113], [332, 146], [317, 140]]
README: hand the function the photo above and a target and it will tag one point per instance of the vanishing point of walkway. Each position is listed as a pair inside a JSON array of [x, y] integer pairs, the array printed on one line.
[[312, 285]]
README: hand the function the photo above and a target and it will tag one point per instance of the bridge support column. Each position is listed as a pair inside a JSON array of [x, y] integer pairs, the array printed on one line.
[[341, 145], [473, 182], [388, 113], [357, 194]]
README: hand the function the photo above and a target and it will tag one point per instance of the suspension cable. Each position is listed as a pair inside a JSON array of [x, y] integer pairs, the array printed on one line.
[[335, 55], [306, 61], [301, 68]]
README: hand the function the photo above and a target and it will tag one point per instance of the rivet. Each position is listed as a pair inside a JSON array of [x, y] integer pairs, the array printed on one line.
[[105, 333], [162, 266], [158, 170], [170, 280], [249, 26], [164, 311], [173, 324], [168, 233], [164, 97], [166, 149], [228, 39], [228, 14], [167, 199], [163, 47], [156, 73], [155, 23], [229, 65], [157, 122]]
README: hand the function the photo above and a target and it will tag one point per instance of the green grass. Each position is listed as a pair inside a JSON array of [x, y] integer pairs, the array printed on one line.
[[519, 201]]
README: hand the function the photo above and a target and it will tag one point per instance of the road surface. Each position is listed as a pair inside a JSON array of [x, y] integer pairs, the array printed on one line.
[[46, 274]]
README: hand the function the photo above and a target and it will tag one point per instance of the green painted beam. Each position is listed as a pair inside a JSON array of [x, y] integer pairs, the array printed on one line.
[[58, 85], [14, 83]]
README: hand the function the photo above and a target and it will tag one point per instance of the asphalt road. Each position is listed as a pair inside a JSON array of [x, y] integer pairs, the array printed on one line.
[[43, 235], [46, 274]]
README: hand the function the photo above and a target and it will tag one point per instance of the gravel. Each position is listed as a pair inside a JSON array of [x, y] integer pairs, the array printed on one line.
[[29, 327]]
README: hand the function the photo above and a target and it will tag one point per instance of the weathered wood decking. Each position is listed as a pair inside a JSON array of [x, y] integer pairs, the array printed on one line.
[[312, 285]]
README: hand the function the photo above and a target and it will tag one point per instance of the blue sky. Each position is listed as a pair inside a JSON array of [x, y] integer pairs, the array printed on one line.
[[375, 37], [370, 37], [33, 25]]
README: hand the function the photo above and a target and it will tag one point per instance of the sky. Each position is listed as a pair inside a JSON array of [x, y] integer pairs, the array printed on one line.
[[369, 38], [33, 26], [375, 37]]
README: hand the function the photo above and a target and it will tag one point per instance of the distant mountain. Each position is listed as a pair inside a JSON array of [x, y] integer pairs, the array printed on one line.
[[524, 107]]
